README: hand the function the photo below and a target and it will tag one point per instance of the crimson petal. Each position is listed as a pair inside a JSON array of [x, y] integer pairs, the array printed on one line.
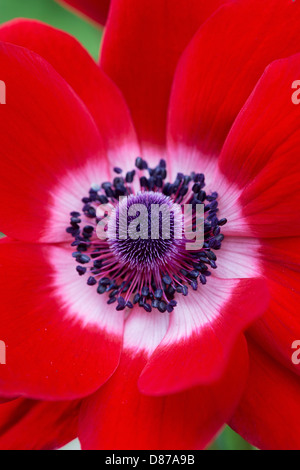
[[203, 330], [100, 95], [269, 413], [218, 72], [46, 134], [142, 45], [277, 330], [261, 156], [62, 340], [97, 10], [34, 425], [118, 416]]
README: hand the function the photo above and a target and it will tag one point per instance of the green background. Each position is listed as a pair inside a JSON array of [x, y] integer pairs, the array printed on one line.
[[52, 13], [90, 36]]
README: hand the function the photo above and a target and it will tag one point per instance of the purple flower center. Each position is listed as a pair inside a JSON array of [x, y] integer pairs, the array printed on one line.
[[136, 247], [142, 243]]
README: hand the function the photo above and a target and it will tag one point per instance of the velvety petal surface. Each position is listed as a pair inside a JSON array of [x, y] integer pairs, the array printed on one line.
[[35, 425], [269, 413], [277, 330], [261, 156], [100, 95], [143, 42], [63, 342], [118, 416], [203, 330], [47, 135], [277, 260], [218, 72]]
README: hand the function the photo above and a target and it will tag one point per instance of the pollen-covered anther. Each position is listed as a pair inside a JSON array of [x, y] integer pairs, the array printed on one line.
[[145, 257]]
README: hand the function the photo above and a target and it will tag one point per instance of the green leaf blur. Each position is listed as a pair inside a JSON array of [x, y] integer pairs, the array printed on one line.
[[50, 12]]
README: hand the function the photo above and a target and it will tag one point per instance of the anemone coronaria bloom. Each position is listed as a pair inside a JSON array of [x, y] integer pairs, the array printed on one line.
[[190, 103]]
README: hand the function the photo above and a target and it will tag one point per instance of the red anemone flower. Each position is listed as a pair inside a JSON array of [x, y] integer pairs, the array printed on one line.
[[130, 345]]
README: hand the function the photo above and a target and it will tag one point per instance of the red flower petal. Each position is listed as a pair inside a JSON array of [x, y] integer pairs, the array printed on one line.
[[261, 155], [203, 330], [219, 70], [62, 341], [142, 45], [269, 413], [97, 91], [119, 417], [46, 132], [97, 10], [278, 261], [5, 400], [33, 425], [277, 330]]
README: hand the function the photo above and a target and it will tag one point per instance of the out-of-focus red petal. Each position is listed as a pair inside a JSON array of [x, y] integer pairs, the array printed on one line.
[[277, 330], [6, 400], [97, 10], [269, 413], [203, 331], [46, 134], [35, 425], [100, 95], [219, 70], [62, 340], [261, 155], [142, 45], [118, 416]]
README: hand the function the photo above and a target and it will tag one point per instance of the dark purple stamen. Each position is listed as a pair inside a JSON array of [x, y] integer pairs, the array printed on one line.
[[144, 271]]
